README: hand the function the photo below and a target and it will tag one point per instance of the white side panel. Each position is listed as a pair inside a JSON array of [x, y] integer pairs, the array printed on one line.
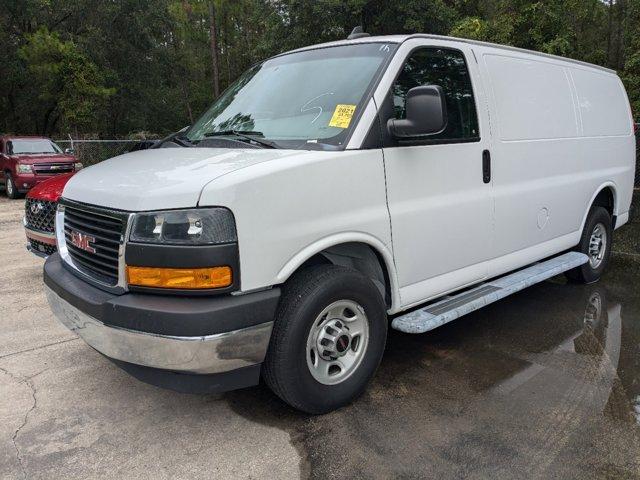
[[533, 99], [287, 206], [602, 102], [546, 172]]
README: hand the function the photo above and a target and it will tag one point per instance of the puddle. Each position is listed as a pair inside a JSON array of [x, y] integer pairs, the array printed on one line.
[[543, 384]]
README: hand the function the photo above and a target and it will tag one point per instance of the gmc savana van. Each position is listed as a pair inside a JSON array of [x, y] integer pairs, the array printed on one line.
[[331, 189]]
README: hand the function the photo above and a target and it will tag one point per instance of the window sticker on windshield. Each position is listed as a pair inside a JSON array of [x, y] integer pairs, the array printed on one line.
[[342, 116]]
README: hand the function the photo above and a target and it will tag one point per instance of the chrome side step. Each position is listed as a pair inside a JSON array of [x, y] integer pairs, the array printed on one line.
[[452, 307]]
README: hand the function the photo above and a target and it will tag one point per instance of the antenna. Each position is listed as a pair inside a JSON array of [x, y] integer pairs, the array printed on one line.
[[357, 32]]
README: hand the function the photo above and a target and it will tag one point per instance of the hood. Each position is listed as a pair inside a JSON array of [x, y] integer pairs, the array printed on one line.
[[50, 189], [161, 178], [43, 158]]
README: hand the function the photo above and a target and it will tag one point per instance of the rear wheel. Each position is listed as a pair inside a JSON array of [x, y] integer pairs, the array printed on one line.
[[595, 242], [10, 186], [328, 339]]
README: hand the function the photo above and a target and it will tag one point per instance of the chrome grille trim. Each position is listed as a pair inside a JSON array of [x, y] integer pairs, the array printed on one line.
[[52, 168], [92, 275]]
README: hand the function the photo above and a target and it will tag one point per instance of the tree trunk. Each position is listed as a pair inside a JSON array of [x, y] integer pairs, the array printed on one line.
[[215, 73], [610, 32]]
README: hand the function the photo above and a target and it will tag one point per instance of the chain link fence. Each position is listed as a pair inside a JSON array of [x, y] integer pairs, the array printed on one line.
[[90, 152]]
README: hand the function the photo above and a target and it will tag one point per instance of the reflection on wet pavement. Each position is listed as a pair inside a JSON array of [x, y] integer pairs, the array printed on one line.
[[545, 384]]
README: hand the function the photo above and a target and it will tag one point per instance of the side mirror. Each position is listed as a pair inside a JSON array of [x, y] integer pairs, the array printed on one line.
[[426, 114], [69, 151]]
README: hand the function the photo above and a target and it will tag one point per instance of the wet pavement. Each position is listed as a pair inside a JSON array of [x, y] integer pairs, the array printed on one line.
[[544, 384]]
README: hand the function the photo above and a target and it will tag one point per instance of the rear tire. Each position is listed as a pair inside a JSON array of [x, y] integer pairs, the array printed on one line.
[[319, 304], [595, 242], [10, 187]]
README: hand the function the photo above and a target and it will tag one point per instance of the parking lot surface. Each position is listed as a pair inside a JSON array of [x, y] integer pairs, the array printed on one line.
[[544, 384]]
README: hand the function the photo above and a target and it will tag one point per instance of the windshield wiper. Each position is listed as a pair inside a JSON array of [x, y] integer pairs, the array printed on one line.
[[177, 137], [246, 134]]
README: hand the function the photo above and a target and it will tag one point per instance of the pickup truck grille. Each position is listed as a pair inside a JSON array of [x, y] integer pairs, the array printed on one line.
[[93, 240], [52, 168], [40, 214]]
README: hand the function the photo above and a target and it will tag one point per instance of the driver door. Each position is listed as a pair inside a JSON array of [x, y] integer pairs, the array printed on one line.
[[440, 200]]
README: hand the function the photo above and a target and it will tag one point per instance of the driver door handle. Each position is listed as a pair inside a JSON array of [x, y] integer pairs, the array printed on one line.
[[486, 166]]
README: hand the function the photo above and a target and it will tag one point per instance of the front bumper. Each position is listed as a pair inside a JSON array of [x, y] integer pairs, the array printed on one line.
[[220, 334], [217, 353], [39, 243], [26, 181]]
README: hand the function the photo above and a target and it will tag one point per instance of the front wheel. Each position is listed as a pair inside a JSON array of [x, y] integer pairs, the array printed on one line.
[[596, 243], [328, 339], [10, 187]]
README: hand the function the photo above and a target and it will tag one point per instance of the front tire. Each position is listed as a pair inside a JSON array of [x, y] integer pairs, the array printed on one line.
[[10, 187], [328, 339], [596, 243]]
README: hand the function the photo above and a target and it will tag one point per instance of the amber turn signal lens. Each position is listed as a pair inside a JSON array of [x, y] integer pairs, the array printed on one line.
[[188, 278]]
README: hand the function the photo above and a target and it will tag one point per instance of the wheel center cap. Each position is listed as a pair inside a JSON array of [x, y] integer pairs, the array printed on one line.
[[342, 343]]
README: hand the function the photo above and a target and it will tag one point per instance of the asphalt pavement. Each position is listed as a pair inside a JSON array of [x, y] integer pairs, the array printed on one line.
[[544, 384]]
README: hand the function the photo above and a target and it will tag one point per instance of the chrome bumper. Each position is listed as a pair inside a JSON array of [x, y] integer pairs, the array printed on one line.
[[203, 355]]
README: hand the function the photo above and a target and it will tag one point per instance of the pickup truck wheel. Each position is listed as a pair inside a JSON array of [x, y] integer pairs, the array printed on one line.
[[10, 186], [596, 244], [328, 339]]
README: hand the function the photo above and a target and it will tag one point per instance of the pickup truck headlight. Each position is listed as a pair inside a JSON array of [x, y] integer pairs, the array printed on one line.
[[77, 166], [24, 168], [202, 226]]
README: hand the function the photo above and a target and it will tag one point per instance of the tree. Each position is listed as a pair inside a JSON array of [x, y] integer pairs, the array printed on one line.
[[69, 85]]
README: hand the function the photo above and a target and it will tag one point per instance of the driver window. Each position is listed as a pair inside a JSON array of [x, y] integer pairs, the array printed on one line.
[[447, 69]]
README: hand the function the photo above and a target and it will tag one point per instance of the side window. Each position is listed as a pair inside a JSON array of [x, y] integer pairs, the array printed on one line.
[[447, 69]]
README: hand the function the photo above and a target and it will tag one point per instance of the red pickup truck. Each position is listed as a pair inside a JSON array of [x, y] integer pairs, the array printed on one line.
[[28, 161], [40, 215]]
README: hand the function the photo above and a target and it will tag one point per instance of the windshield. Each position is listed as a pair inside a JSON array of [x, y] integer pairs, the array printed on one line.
[[298, 99], [28, 146]]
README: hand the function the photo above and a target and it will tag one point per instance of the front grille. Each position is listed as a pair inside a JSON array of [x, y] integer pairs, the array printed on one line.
[[41, 247], [52, 168], [40, 215], [105, 235]]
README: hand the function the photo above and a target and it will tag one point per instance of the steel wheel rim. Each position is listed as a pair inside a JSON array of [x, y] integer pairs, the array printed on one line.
[[597, 245], [337, 342], [9, 186]]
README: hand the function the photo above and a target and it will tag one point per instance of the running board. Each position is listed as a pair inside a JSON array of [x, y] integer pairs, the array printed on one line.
[[452, 307]]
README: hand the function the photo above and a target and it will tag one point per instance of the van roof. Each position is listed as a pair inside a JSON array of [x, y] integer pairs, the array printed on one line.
[[404, 38]]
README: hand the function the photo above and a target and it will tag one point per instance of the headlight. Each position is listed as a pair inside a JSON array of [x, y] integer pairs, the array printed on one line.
[[77, 166], [24, 168], [203, 226]]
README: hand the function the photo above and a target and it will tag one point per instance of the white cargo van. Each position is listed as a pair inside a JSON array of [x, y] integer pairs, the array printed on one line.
[[332, 189]]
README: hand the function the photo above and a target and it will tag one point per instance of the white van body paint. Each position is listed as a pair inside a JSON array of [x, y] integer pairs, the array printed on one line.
[[559, 131]]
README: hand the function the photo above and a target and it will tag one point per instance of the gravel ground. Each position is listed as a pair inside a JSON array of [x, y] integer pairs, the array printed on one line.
[[544, 384]]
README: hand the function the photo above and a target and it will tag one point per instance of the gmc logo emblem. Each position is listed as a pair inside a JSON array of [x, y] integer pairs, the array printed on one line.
[[83, 241]]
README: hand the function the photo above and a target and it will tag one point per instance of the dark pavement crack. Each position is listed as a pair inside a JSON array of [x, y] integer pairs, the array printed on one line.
[[6, 355], [32, 388]]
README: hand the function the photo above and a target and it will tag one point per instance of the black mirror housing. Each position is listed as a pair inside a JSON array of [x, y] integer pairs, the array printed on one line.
[[69, 151], [426, 114]]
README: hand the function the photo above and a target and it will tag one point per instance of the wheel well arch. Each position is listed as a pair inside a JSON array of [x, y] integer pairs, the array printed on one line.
[[606, 197], [373, 261]]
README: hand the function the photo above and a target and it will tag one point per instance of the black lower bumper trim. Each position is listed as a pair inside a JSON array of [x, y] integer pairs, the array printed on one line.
[[163, 315], [191, 383]]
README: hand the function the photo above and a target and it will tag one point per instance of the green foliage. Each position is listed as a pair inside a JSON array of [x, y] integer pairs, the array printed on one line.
[[111, 68], [67, 82]]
